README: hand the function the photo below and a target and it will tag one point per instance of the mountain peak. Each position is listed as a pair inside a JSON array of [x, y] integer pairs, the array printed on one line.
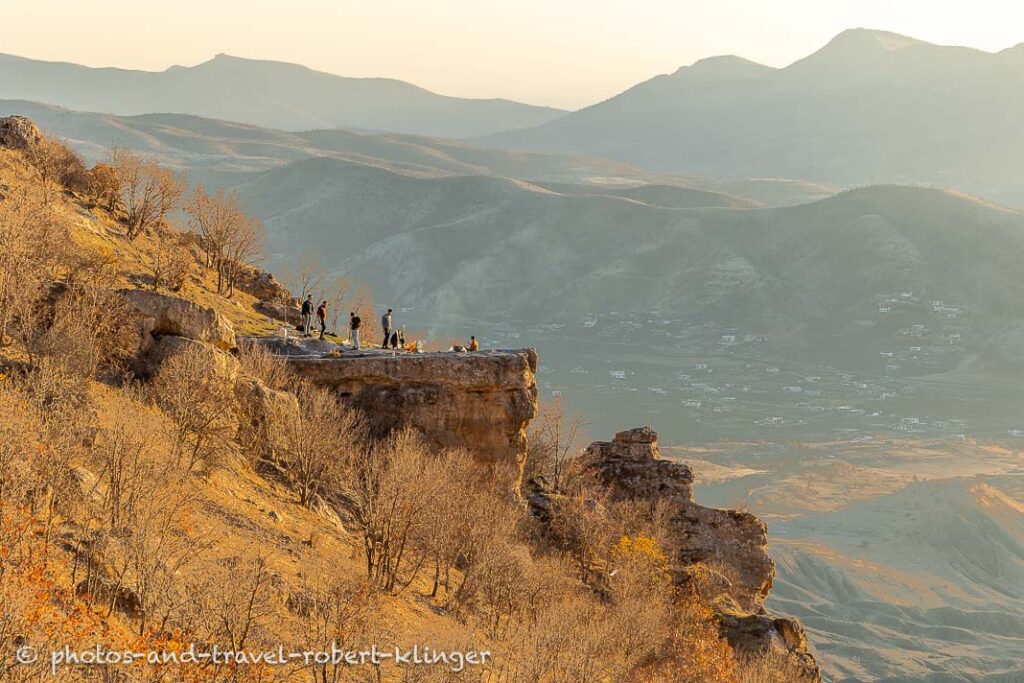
[[870, 39], [723, 67]]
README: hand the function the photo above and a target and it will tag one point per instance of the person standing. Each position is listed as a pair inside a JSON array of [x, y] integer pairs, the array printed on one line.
[[385, 323], [353, 325], [321, 314], [307, 314]]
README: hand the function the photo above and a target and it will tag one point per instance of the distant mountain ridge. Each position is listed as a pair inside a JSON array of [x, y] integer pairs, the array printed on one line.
[[869, 107], [266, 93]]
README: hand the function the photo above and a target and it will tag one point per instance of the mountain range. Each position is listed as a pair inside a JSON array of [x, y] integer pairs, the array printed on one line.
[[267, 93], [869, 107]]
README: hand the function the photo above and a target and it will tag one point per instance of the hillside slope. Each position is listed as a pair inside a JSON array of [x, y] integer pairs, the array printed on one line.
[[869, 107], [274, 94], [222, 153], [932, 574], [487, 248]]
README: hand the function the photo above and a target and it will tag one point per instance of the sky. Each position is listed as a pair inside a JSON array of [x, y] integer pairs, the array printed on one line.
[[563, 53]]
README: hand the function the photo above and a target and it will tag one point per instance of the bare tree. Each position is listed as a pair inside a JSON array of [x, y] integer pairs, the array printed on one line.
[[230, 237], [147, 190], [554, 441], [199, 399], [337, 291]]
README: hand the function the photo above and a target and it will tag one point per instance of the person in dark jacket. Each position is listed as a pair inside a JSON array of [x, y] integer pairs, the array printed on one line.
[[321, 315], [354, 322], [385, 323], [307, 314]]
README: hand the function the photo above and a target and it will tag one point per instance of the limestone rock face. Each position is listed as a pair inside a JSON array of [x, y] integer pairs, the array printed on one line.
[[632, 466], [725, 552], [480, 401], [18, 132], [162, 314]]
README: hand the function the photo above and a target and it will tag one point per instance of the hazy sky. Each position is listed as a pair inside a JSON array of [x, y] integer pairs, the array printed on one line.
[[564, 53]]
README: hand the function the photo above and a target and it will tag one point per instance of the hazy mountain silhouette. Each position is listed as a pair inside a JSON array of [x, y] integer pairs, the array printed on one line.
[[223, 153], [869, 107], [274, 94]]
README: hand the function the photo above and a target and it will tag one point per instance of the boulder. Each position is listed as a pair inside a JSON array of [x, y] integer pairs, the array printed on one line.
[[163, 348], [291, 314], [262, 406], [19, 132], [261, 284], [163, 314]]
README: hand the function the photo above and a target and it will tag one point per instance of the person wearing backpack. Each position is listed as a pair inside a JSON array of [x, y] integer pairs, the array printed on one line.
[[353, 325], [321, 315]]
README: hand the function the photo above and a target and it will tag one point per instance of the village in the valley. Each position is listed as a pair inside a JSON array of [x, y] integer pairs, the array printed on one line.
[[706, 380]]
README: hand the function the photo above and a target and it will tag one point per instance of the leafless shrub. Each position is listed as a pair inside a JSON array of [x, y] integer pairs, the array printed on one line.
[[388, 491], [771, 667], [104, 186], [256, 361], [32, 247], [318, 440], [56, 165], [200, 405], [172, 260]]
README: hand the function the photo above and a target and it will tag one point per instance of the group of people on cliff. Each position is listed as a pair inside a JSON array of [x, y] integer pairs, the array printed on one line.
[[393, 337]]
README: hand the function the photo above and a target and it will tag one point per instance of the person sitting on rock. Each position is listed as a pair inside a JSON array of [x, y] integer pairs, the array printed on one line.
[[474, 345], [321, 315], [393, 339]]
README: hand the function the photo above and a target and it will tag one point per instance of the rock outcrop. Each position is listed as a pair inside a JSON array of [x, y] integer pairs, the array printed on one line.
[[162, 314], [18, 132], [724, 553], [169, 325], [479, 401]]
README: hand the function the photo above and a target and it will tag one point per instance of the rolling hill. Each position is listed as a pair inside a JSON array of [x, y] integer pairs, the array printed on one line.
[[870, 107], [223, 154], [272, 94], [493, 248]]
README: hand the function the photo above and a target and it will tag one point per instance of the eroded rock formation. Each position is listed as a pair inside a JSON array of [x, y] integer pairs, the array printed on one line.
[[479, 401], [18, 132], [162, 314], [169, 325], [724, 552]]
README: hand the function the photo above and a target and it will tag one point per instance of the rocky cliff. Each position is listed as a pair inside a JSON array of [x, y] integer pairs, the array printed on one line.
[[479, 401], [723, 553]]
